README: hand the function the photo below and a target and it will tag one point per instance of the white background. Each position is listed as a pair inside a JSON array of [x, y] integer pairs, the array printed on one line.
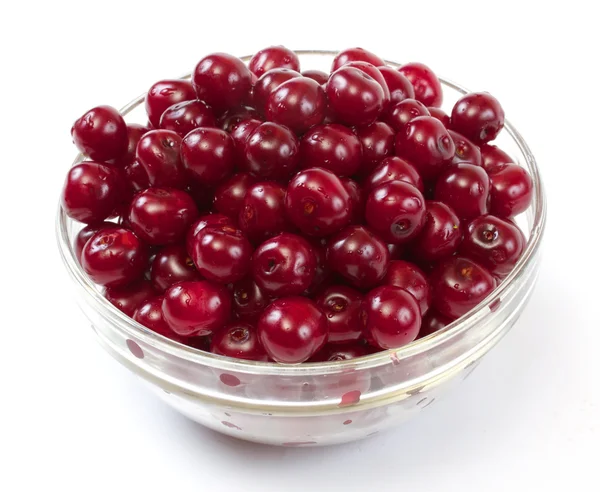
[[72, 419]]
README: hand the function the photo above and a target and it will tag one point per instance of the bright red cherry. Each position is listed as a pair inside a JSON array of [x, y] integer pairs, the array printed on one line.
[[393, 169], [249, 301], [373, 72], [216, 220], [428, 88], [377, 140], [272, 152], [411, 278], [229, 196], [238, 340], [240, 134], [432, 322], [233, 117], [262, 213], [164, 94], [465, 150], [478, 116], [273, 57], [440, 114], [149, 314], [186, 116], [208, 155], [134, 133], [465, 188], [267, 83], [136, 176], [101, 133], [86, 233], [494, 158], [337, 352], [355, 54], [332, 147], [401, 113], [511, 191], [399, 86], [441, 234], [158, 153], [172, 264], [129, 297], [342, 307], [316, 75]]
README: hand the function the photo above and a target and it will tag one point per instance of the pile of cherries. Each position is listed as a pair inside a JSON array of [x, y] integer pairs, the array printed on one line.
[[266, 213]]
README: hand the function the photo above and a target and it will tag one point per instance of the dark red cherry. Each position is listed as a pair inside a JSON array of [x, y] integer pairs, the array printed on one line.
[[240, 134], [129, 297], [216, 220], [440, 114], [134, 133], [273, 57], [233, 117], [86, 233], [357, 199], [284, 265], [272, 152], [267, 83], [222, 81], [359, 256], [229, 196], [316, 75], [399, 86], [478, 116], [332, 147], [432, 322], [158, 153], [317, 202], [511, 191], [149, 314], [323, 275], [355, 54], [494, 158], [342, 307], [428, 88], [441, 234], [196, 308], [401, 113], [411, 278], [101, 133], [465, 150], [292, 330], [162, 215], [393, 169], [208, 155], [372, 71], [339, 352], [172, 264], [465, 188], [114, 257], [136, 176], [186, 116], [392, 317], [238, 340], [396, 251], [262, 213], [377, 140], [164, 94], [249, 301]]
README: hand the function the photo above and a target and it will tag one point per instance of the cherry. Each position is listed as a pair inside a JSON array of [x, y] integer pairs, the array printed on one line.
[[163, 94], [432, 322], [494, 158], [396, 211], [272, 152], [478, 116], [273, 57], [222, 81], [199, 343], [92, 192], [239, 340], [162, 215], [494, 243], [441, 115], [396, 251], [411, 278], [158, 153], [399, 86], [128, 298], [229, 196], [101, 133], [317, 202], [208, 155], [234, 116], [441, 234], [222, 254], [401, 113], [292, 330], [284, 265], [373, 72], [377, 140], [355, 54], [172, 264], [298, 103], [249, 301], [240, 134], [465, 188], [427, 144], [134, 133], [465, 150], [428, 88], [511, 191], [136, 176], [355, 98], [267, 83], [196, 308], [316, 75], [359, 256], [392, 317], [342, 307], [86, 233], [186, 116], [339, 352], [262, 213], [332, 147], [114, 257], [357, 199], [216, 220], [149, 313], [393, 169]]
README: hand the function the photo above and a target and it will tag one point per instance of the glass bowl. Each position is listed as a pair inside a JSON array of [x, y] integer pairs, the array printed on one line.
[[315, 403]]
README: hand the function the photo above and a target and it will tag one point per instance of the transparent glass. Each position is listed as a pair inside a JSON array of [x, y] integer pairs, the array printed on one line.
[[316, 403]]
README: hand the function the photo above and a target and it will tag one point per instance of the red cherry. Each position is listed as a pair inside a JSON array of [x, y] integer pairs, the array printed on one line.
[[478, 116], [239, 340], [249, 301], [401, 113], [172, 264], [332, 147], [441, 115], [234, 116], [101, 133], [377, 140], [441, 234], [272, 152], [399, 86], [337, 352], [316, 75], [511, 191], [373, 72], [428, 88], [129, 297], [149, 314], [216, 220], [465, 150], [267, 83], [432, 322], [262, 214], [411, 278], [229, 196], [164, 94], [273, 57], [494, 158], [355, 54], [465, 188], [84, 235], [208, 155], [158, 153], [186, 116], [134, 133], [393, 169], [342, 307]]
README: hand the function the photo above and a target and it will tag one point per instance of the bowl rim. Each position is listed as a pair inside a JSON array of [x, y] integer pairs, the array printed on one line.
[[419, 346]]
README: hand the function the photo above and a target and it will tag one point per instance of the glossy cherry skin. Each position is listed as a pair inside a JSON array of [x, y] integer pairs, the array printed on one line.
[[158, 153], [392, 315], [332, 147], [208, 155], [412, 279], [249, 301], [494, 243], [373, 72], [441, 115], [149, 313], [114, 257], [91, 192], [494, 158], [323, 275], [441, 235], [272, 151], [395, 211], [355, 98], [186, 116], [129, 297], [273, 57], [196, 308], [134, 133], [393, 169], [359, 256], [284, 265], [401, 113], [511, 191], [465, 188], [164, 94], [465, 150], [233, 117], [86, 233], [377, 140], [172, 264], [399, 86], [478, 116], [426, 144], [428, 88], [317, 203], [355, 54], [222, 81], [200, 223], [267, 83], [342, 306], [240, 133], [357, 199], [101, 133], [136, 176], [298, 103], [432, 322], [222, 254], [238, 340], [292, 330], [162, 215], [229, 196], [316, 75], [262, 214], [458, 284], [338, 352]]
